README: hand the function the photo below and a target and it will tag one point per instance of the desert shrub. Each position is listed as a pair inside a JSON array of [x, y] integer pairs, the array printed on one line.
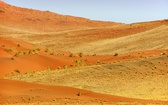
[[38, 49], [33, 51], [70, 55], [71, 65], [12, 59], [116, 54], [48, 68], [9, 50], [19, 54], [52, 53], [98, 62], [47, 50], [94, 54], [79, 94], [17, 71], [65, 67], [59, 68], [7, 75], [79, 62], [164, 53], [12, 74], [81, 54], [3, 45]]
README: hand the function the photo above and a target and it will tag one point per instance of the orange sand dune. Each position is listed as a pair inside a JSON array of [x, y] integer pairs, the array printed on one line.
[[72, 40], [9, 46], [19, 55], [10, 42], [43, 21], [22, 92], [119, 31], [62, 32]]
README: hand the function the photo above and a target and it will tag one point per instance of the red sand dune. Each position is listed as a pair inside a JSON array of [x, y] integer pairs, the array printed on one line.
[[19, 92], [118, 31], [30, 62], [43, 21]]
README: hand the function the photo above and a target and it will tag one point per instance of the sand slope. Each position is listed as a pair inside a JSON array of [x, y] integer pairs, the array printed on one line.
[[24, 57], [145, 78], [42, 21], [76, 34], [21, 92], [156, 38]]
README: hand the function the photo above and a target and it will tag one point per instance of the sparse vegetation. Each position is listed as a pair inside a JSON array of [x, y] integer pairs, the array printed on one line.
[[71, 65], [79, 62], [9, 50], [94, 54], [79, 94], [65, 67], [19, 54], [52, 53], [98, 62], [34, 51], [17, 71], [38, 49], [59, 68], [81, 54], [48, 68], [116, 54], [3, 45], [71, 55], [164, 53], [12, 59], [47, 50]]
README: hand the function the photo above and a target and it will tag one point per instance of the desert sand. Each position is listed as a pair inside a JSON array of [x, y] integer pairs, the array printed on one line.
[[52, 59]]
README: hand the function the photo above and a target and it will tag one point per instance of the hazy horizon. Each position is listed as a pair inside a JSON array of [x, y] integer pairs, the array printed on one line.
[[125, 11]]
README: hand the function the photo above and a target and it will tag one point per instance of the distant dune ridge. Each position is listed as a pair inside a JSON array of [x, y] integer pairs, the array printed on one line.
[[44, 21], [48, 58]]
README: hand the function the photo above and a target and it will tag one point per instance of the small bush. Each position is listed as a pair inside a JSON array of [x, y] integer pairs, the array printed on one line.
[[94, 54], [12, 59], [79, 62], [70, 55], [116, 54], [65, 67], [79, 94], [47, 50], [71, 65], [9, 50], [48, 68], [59, 68], [81, 54], [164, 53], [38, 49], [3, 45], [17, 71], [33, 52], [52, 53], [19, 54]]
